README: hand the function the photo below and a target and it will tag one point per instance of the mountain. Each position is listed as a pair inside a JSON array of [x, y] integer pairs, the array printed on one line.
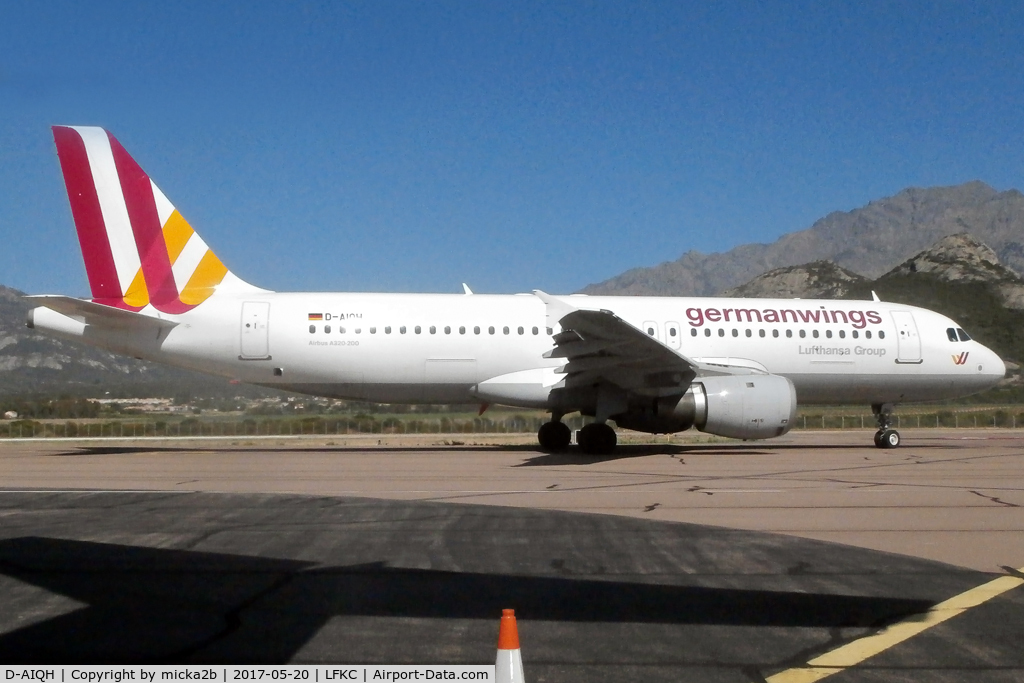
[[870, 240], [817, 280], [32, 363], [962, 258], [958, 258]]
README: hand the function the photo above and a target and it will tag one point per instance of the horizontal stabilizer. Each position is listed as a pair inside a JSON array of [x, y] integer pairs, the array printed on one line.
[[100, 315]]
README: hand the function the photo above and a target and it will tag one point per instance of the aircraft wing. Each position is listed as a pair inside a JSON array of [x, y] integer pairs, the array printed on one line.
[[92, 313], [599, 345]]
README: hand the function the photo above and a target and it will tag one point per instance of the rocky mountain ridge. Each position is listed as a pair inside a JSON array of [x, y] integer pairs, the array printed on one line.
[[870, 240], [959, 258], [816, 280]]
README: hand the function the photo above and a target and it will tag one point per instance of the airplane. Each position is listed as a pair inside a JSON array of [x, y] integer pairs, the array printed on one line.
[[732, 367]]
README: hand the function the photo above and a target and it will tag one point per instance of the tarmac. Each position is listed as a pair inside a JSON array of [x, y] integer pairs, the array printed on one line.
[[707, 560]]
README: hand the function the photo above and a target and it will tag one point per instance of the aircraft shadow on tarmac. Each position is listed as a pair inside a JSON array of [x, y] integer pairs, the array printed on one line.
[[169, 606], [572, 456], [142, 448]]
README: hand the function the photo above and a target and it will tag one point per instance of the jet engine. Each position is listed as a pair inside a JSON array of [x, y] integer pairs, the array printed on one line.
[[737, 406]]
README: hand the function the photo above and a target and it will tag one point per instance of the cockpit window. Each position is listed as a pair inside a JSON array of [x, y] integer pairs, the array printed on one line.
[[951, 334], [963, 335]]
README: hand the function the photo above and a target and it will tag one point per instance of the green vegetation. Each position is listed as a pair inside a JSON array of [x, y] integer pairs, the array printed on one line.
[[493, 422]]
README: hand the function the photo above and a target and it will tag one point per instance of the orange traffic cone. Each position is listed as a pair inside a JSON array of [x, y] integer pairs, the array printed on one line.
[[509, 667]]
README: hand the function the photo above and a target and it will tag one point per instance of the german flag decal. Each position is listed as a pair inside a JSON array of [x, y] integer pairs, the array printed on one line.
[[316, 316]]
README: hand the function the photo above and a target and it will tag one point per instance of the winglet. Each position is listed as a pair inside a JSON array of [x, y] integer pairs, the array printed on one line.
[[466, 289], [874, 297], [556, 309]]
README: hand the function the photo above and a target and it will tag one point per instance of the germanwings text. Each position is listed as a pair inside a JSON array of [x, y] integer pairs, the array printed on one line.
[[858, 319]]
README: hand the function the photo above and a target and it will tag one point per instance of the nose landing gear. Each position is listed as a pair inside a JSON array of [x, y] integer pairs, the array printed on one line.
[[886, 436]]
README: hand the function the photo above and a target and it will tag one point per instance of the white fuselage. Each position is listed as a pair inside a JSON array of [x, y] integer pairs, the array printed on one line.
[[435, 348]]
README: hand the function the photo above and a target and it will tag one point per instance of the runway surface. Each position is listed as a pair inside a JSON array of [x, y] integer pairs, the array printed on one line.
[[406, 552]]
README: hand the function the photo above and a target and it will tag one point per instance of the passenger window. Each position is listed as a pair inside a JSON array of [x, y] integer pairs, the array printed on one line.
[[504, 330], [802, 334], [462, 329], [327, 329], [373, 330], [693, 331], [521, 331], [775, 333], [951, 334], [650, 331], [963, 335], [789, 333], [881, 334], [760, 333], [828, 333], [312, 329], [707, 332], [735, 332], [536, 331], [490, 330], [359, 330], [671, 331], [856, 334], [842, 334], [401, 329], [417, 329], [476, 330], [341, 330], [433, 330], [550, 331], [814, 333], [387, 330], [447, 329], [721, 332], [867, 334], [749, 333]]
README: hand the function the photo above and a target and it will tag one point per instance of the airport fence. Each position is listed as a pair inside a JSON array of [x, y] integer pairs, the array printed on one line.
[[406, 424]]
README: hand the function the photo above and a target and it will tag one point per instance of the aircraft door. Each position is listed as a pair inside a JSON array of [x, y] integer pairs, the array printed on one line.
[[255, 330], [674, 333], [909, 342]]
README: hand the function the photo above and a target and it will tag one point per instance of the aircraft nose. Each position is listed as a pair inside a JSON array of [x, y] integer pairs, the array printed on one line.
[[992, 366]]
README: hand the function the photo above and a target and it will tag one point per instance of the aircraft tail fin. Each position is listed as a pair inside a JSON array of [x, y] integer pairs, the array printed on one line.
[[138, 249]]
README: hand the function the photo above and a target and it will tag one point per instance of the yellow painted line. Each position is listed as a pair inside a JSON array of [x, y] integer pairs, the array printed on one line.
[[859, 650]]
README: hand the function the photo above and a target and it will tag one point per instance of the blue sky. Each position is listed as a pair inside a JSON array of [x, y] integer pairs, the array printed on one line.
[[411, 146]]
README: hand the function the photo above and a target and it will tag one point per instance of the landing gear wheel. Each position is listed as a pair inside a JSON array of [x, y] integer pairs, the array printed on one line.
[[888, 438], [597, 438], [554, 436]]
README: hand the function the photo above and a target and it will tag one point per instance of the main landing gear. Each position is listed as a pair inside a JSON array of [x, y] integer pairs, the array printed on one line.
[[886, 436], [596, 438], [554, 436]]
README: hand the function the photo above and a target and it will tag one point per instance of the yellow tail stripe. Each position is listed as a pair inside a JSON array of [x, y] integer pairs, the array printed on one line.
[[208, 275], [177, 232], [137, 294]]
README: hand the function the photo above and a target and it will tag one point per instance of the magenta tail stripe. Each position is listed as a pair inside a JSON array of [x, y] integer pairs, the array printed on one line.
[[85, 209], [138, 196]]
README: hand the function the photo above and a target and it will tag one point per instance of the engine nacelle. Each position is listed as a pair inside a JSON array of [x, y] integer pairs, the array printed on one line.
[[739, 406], [748, 406]]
